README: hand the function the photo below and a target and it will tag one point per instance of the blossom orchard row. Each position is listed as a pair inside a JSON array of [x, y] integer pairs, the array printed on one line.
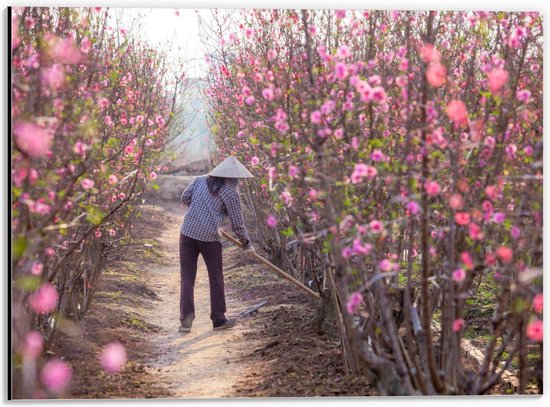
[[89, 120], [399, 163]]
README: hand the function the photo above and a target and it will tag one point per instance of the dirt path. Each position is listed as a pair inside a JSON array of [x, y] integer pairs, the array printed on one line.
[[204, 362]]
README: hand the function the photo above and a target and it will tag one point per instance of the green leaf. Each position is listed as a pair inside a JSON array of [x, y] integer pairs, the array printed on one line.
[[19, 247], [28, 283], [95, 215]]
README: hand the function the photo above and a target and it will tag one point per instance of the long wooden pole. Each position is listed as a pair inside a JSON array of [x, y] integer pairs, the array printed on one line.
[[276, 269]]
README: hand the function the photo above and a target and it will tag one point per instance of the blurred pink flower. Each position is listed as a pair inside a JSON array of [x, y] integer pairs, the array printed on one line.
[[456, 110], [413, 207], [523, 95], [376, 226], [63, 50], [44, 300], [153, 175], [436, 74], [53, 76], [535, 330], [458, 324], [250, 100], [505, 254], [378, 94], [87, 183], [268, 94], [475, 231], [459, 275], [462, 218], [341, 70], [538, 303], [377, 156], [292, 171], [33, 345], [37, 268], [254, 160], [385, 265], [432, 188], [456, 201], [515, 232], [340, 14], [496, 79], [429, 53], [272, 221], [113, 179], [315, 117], [354, 302], [56, 375], [113, 357], [360, 248], [85, 45], [347, 252], [34, 140], [499, 217]]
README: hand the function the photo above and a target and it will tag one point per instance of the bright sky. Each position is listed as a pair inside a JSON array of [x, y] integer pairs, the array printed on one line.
[[177, 29]]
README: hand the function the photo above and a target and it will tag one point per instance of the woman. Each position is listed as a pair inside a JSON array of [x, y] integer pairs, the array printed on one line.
[[210, 198]]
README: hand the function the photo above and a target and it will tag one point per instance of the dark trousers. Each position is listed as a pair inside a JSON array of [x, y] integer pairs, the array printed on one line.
[[212, 255]]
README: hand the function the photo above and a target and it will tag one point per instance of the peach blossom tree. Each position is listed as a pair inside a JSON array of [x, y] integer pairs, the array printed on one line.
[[398, 158]]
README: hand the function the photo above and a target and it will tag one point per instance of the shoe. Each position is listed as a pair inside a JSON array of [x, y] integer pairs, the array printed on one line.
[[187, 323], [226, 324]]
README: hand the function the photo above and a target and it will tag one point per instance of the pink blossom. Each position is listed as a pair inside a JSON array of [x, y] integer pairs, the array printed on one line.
[[413, 207], [515, 232], [462, 218], [87, 183], [458, 324], [286, 197], [535, 330], [268, 94], [466, 259], [354, 302], [49, 251], [523, 95], [340, 14], [315, 117], [272, 221], [341, 70], [360, 248], [432, 188], [153, 175], [347, 252], [292, 171], [250, 100], [511, 150], [459, 275], [129, 149], [254, 160], [538, 303], [104, 102], [113, 179], [37, 268], [385, 265], [53, 76], [456, 110], [496, 79], [499, 217], [436, 74], [378, 94], [32, 139], [113, 357], [377, 156], [63, 50], [56, 375], [85, 45], [376, 226], [44, 300], [33, 345], [80, 148], [429, 53], [475, 232], [528, 150], [456, 201], [343, 51], [505, 254]]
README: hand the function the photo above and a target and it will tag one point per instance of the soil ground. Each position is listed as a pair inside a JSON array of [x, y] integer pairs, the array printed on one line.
[[272, 352]]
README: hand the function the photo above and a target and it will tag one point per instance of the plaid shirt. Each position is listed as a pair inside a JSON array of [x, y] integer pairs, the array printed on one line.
[[206, 211]]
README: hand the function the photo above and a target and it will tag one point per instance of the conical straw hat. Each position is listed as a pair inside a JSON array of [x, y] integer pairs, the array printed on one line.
[[231, 168]]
